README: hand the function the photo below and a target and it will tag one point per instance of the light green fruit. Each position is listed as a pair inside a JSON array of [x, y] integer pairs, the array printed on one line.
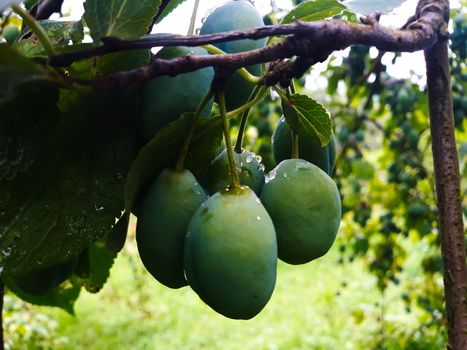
[[163, 218], [231, 253], [10, 33], [233, 15], [165, 98], [305, 206], [249, 168]]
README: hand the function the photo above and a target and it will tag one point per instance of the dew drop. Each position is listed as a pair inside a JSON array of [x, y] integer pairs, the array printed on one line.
[[257, 200], [6, 252], [1, 269], [270, 176], [259, 159], [98, 208], [302, 165], [250, 157], [258, 218], [262, 167], [285, 175]]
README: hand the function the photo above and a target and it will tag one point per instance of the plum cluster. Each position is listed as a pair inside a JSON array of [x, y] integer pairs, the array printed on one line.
[[222, 239]]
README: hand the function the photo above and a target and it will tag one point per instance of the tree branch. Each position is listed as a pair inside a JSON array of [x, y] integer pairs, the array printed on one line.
[[418, 36], [311, 42], [447, 179]]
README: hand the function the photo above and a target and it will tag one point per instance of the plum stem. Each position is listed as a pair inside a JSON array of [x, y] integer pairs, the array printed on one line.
[[241, 129], [179, 165], [242, 71], [234, 180], [295, 145]]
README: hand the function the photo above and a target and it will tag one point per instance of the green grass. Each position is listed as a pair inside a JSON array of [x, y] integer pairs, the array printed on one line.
[[310, 309]]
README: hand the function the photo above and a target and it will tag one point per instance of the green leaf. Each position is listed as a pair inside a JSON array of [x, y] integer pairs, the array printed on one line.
[[163, 149], [63, 296], [314, 10], [30, 4], [120, 18], [25, 129], [172, 5], [60, 34], [101, 261], [307, 117], [73, 192], [16, 70]]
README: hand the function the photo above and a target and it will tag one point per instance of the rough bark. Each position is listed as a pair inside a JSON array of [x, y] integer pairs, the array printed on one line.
[[311, 42], [447, 178]]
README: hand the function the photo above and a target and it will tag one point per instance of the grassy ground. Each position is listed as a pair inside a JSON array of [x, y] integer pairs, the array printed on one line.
[[310, 309]]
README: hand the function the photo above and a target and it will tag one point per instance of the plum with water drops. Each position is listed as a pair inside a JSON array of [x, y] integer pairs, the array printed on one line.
[[305, 206]]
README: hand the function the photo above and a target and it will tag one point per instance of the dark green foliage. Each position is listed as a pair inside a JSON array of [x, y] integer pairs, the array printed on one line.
[[165, 211], [119, 18], [43, 281], [71, 194], [239, 14], [59, 32], [231, 264]]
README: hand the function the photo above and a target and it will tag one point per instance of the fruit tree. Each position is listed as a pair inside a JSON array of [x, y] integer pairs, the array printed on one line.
[[97, 126]]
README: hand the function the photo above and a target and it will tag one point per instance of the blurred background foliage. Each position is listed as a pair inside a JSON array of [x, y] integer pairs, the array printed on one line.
[[379, 288]]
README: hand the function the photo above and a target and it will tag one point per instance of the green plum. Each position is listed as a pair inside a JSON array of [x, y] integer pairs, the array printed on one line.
[[233, 15], [308, 149], [163, 218], [305, 206], [43, 281], [249, 167], [165, 98], [10, 33], [231, 253]]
